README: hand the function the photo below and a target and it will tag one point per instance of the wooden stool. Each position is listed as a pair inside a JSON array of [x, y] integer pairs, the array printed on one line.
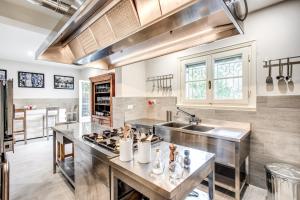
[[23, 119], [61, 154], [48, 115], [72, 116]]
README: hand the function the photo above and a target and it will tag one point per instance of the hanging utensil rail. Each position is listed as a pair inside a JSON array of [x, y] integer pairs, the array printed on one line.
[[292, 61], [158, 78], [162, 83]]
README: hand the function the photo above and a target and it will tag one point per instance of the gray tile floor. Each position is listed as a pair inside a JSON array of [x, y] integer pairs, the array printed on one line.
[[32, 178]]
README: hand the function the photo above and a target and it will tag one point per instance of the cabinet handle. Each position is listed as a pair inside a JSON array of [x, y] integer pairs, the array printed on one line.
[[209, 85]]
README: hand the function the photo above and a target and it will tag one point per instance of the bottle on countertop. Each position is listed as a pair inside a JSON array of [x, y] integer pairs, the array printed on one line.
[[157, 166], [187, 160], [176, 168]]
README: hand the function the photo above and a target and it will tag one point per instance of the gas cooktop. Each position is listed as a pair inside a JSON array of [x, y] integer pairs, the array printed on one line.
[[109, 139]]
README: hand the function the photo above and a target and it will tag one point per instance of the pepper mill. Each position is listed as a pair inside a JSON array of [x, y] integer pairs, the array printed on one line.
[[187, 160], [172, 148]]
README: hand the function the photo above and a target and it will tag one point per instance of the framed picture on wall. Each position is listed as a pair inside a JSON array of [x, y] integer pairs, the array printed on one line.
[[3, 74], [63, 82], [31, 80]]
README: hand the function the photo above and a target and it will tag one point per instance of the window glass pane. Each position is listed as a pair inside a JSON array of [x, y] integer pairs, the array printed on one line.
[[228, 78], [228, 67], [195, 72], [196, 90], [195, 81], [228, 89]]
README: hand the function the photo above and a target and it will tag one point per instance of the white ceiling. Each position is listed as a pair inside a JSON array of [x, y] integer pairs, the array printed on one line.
[[25, 4], [20, 44], [25, 26], [16, 42]]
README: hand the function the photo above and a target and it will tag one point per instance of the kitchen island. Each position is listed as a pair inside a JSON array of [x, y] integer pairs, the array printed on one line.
[[97, 171]]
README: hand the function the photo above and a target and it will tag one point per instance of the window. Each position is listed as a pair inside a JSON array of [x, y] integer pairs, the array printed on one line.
[[216, 78], [228, 78], [195, 81]]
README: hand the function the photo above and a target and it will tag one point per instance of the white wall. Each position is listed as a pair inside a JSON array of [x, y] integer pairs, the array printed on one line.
[[162, 66], [40, 93], [131, 80], [275, 31], [85, 74]]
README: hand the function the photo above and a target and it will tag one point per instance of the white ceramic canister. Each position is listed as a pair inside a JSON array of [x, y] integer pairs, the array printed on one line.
[[144, 152], [126, 149]]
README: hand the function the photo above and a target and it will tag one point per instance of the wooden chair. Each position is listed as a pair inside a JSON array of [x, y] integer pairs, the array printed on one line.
[[22, 118]]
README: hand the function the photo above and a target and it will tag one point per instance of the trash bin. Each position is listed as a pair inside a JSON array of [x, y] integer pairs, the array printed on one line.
[[283, 181]]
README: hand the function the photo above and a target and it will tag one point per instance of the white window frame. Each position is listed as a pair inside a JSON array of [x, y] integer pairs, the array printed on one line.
[[245, 64], [83, 118], [183, 67], [249, 82]]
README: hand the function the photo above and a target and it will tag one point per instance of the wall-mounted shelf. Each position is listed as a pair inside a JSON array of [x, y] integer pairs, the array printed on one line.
[[101, 104], [103, 90]]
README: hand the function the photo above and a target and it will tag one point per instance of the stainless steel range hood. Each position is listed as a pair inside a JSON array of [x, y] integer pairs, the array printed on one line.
[[120, 32], [59, 6]]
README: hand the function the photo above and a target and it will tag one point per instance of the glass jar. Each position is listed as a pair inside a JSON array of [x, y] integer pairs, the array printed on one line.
[[157, 165]]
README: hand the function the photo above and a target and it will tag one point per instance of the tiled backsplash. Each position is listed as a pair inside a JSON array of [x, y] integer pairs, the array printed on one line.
[[122, 111], [275, 133]]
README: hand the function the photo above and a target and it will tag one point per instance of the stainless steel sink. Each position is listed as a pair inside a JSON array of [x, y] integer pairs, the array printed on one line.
[[198, 128], [174, 125]]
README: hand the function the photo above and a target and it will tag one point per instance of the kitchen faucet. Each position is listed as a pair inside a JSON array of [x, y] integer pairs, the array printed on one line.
[[192, 118]]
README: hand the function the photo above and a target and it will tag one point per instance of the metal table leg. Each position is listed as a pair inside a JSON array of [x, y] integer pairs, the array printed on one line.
[[47, 125], [114, 187], [54, 152], [237, 173], [43, 125], [211, 184], [247, 170]]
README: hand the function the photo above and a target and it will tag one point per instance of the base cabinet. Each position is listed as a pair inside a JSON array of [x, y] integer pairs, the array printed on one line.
[[232, 158], [91, 177]]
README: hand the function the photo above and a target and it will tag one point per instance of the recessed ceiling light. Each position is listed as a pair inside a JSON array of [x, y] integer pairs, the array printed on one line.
[[30, 53], [34, 2]]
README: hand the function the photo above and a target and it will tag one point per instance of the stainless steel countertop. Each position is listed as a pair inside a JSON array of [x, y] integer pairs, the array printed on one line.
[[199, 160], [232, 134], [145, 122], [75, 131], [220, 131]]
